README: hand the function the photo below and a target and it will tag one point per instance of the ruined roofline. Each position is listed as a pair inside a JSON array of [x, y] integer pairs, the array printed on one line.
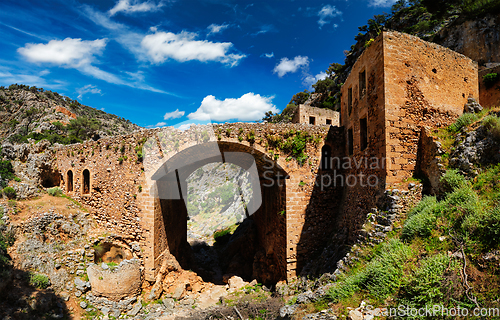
[[409, 36], [432, 44]]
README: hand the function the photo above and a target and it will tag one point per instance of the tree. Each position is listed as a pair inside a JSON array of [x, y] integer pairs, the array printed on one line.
[[324, 85], [268, 116], [29, 115], [334, 68], [300, 98], [83, 128]]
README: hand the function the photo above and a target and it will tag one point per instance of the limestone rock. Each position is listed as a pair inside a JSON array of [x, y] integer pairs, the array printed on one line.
[[355, 315], [115, 285], [472, 106], [236, 283]]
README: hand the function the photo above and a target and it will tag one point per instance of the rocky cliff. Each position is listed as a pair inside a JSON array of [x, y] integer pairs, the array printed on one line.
[[30, 112], [478, 39]]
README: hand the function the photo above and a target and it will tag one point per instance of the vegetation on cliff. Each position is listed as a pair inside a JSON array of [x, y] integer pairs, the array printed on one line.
[[34, 113]]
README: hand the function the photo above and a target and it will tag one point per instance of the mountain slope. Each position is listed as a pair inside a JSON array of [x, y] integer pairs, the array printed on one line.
[[30, 112]]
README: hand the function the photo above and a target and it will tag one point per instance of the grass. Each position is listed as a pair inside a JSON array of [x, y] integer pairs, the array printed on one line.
[[55, 191], [381, 275], [492, 123], [414, 267], [112, 266], [463, 121], [38, 280]]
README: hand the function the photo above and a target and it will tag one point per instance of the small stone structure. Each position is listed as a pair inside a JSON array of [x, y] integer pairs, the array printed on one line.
[[312, 115]]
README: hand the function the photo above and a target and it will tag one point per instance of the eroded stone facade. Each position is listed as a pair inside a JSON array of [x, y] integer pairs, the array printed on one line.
[[120, 193], [398, 85], [315, 116]]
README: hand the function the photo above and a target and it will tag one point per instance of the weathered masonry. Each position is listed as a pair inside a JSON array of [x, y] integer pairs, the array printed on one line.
[[399, 85], [143, 200], [315, 116], [134, 185]]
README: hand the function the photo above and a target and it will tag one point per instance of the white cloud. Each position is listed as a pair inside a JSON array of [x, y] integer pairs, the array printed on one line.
[[158, 125], [68, 52], [34, 79], [121, 33], [184, 127], [286, 65], [264, 29], [182, 47], [381, 3], [173, 115], [309, 80], [126, 7], [87, 89], [328, 12], [267, 55], [216, 28], [249, 107]]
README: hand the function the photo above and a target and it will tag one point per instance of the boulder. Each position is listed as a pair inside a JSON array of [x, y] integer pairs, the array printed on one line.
[[236, 283], [115, 285]]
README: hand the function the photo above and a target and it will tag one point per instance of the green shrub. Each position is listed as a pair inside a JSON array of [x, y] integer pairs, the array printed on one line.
[[461, 197], [492, 124], [112, 266], [428, 284], [486, 184], [484, 226], [490, 79], [55, 192], [39, 281], [10, 192], [381, 276], [463, 121], [420, 224], [221, 233], [424, 204], [452, 180], [6, 172]]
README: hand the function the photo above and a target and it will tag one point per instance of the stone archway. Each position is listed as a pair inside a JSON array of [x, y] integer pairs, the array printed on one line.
[[267, 207], [86, 182], [69, 181]]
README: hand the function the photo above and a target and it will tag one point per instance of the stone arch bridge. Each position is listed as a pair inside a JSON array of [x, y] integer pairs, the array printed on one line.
[[133, 186]]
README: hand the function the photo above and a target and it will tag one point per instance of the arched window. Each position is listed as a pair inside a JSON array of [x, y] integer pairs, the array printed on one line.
[[326, 158], [69, 181], [86, 181]]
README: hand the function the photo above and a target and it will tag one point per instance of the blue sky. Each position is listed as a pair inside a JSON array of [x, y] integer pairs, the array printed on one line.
[[162, 62]]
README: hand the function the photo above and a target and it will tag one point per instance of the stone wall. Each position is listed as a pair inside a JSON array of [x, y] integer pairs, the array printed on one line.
[[367, 159], [398, 85], [122, 198], [489, 96], [426, 85], [312, 115]]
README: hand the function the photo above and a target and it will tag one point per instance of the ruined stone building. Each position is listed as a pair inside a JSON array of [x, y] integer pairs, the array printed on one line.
[[399, 85], [312, 115]]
